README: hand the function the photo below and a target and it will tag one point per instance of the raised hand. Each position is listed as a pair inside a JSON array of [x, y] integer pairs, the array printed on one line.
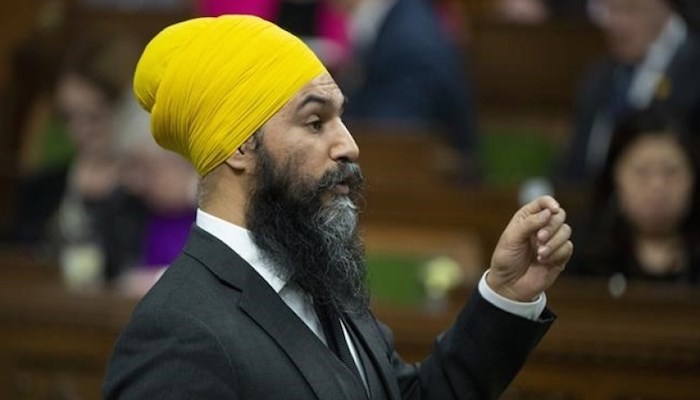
[[532, 251]]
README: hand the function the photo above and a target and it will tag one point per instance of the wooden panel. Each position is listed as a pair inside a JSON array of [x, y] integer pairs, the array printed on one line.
[[143, 24], [461, 245], [402, 157], [54, 344], [18, 20], [410, 183], [533, 67], [643, 345]]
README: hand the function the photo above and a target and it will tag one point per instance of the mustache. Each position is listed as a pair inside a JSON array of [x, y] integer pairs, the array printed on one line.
[[348, 173]]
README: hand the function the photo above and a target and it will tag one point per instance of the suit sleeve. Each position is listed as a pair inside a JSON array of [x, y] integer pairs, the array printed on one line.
[[475, 359], [168, 355]]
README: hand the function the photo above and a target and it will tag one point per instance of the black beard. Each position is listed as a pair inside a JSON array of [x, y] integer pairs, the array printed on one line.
[[308, 233]]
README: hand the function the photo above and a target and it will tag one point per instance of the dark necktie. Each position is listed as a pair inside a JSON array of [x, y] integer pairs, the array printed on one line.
[[330, 321]]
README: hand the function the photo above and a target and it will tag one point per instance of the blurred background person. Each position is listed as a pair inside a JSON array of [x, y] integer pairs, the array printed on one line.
[[158, 207], [121, 207], [89, 89], [319, 23], [398, 61], [407, 72], [80, 209], [43, 150], [653, 59], [643, 223], [75, 124]]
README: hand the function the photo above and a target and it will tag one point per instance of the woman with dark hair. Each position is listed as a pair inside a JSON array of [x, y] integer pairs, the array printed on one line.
[[90, 88], [645, 206], [71, 129]]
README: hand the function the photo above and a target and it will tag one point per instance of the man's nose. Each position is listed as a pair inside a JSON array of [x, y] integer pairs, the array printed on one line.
[[344, 146]]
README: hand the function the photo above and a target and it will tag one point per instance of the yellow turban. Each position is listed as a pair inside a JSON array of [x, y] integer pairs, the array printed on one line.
[[210, 83]]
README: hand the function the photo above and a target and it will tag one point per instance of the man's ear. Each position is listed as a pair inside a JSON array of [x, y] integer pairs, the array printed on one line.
[[241, 160]]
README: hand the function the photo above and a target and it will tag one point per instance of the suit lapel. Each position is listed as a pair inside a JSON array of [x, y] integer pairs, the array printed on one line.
[[368, 335], [375, 384], [326, 375]]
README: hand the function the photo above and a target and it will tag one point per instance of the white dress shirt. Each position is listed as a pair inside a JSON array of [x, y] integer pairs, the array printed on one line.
[[653, 69], [239, 240]]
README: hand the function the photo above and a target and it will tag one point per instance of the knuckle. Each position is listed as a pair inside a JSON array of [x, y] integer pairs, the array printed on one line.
[[559, 217], [567, 229]]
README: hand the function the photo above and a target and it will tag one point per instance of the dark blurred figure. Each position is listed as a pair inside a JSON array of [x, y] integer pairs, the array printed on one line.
[[74, 112], [654, 58], [690, 9], [644, 221], [71, 207], [317, 22], [408, 72], [89, 92], [37, 138]]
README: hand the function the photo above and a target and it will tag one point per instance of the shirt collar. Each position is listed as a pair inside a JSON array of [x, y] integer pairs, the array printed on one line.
[[240, 241], [672, 36], [657, 61]]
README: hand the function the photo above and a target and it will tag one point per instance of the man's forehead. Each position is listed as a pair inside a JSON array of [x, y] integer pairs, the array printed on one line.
[[321, 90], [323, 87]]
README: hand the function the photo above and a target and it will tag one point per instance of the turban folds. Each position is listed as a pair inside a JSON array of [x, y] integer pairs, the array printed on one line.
[[210, 83]]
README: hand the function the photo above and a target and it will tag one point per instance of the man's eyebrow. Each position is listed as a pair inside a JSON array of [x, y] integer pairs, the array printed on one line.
[[323, 101], [312, 98]]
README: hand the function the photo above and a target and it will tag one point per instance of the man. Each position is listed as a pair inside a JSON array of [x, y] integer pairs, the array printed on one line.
[[654, 59], [267, 300]]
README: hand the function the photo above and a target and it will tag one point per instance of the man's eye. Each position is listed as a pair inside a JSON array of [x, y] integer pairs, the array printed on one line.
[[316, 125]]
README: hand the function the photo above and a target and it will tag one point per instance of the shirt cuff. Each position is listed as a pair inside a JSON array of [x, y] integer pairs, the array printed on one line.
[[530, 310]]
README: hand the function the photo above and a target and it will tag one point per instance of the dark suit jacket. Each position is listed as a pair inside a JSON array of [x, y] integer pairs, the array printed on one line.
[[413, 74], [213, 328], [683, 102]]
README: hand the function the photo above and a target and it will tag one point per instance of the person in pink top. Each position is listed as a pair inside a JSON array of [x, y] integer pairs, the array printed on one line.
[[319, 23]]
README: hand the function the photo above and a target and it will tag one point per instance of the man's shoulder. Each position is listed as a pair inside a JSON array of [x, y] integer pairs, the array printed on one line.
[[691, 47], [187, 286], [686, 61]]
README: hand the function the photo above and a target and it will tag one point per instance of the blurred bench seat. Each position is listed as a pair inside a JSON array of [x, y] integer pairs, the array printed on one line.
[[643, 345]]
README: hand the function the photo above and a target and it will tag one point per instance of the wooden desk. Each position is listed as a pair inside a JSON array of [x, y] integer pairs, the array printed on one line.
[[644, 345], [54, 344]]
